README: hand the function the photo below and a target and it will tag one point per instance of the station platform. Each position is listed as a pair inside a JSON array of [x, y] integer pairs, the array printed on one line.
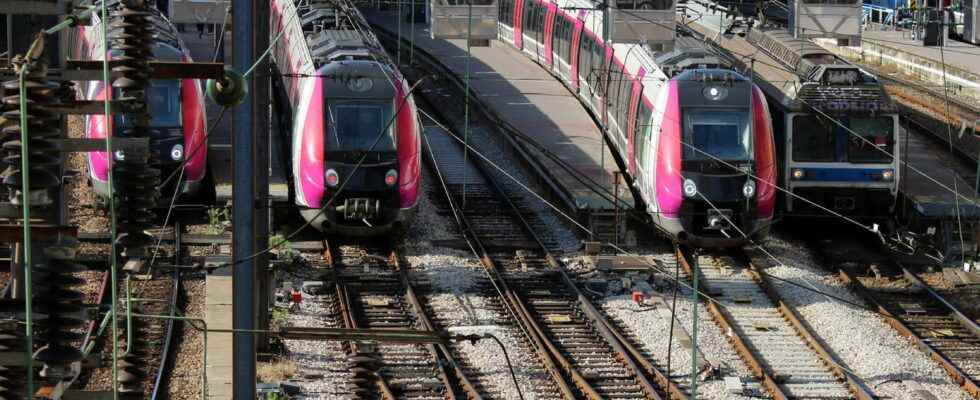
[[518, 92], [217, 315], [897, 51], [908, 69]]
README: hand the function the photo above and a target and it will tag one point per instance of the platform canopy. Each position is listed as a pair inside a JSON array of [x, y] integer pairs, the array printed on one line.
[[643, 21], [463, 19], [832, 19]]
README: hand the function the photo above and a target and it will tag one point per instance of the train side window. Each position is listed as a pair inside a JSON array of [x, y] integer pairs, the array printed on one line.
[[528, 12], [625, 92], [556, 34], [813, 139], [506, 12], [612, 94], [585, 57], [642, 136]]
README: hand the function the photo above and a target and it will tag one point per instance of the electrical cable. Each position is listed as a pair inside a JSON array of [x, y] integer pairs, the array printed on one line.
[[949, 135], [651, 266], [510, 366]]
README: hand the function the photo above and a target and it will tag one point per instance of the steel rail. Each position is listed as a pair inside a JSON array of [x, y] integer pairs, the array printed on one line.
[[723, 320], [164, 372], [857, 387], [967, 323], [347, 316], [958, 375], [440, 353], [624, 350]]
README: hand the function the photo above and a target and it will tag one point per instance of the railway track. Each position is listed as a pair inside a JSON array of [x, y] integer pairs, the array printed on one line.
[[145, 364], [779, 349], [372, 291], [931, 323], [586, 356]]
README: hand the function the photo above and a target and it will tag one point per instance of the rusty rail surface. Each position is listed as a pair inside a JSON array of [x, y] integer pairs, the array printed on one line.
[[965, 381], [748, 356], [558, 365]]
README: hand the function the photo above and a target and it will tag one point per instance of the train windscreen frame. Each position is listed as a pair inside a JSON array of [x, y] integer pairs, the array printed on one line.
[[354, 125], [723, 134], [818, 139]]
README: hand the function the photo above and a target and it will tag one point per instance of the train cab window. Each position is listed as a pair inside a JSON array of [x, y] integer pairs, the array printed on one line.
[[356, 124], [164, 104], [876, 138], [722, 134], [813, 139]]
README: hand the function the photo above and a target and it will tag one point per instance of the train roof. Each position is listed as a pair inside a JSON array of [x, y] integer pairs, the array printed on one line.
[[823, 80], [336, 31]]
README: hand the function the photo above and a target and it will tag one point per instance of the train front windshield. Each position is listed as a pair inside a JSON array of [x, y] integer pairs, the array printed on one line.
[[717, 134], [850, 139], [354, 125], [164, 106]]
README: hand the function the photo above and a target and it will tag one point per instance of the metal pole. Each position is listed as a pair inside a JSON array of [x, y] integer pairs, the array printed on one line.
[[466, 106], [411, 49], [261, 109], [399, 52], [694, 327], [243, 212]]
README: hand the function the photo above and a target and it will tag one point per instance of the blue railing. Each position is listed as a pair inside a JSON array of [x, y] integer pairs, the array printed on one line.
[[879, 15]]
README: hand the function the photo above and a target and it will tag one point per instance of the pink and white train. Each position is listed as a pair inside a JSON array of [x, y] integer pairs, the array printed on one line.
[[689, 130], [177, 109], [341, 99]]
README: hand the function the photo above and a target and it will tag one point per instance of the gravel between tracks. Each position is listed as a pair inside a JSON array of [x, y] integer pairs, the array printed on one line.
[[185, 378], [453, 275], [651, 328], [861, 339], [323, 373]]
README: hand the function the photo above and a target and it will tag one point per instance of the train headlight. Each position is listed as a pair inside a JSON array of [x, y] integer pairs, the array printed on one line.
[[887, 175], [177, 152], [690, 188], [715, 93], [332, 178], [748, 189], [391, 178], [797, 174], [118, 154]]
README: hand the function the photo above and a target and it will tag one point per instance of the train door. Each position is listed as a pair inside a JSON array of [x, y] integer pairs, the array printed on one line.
[[518, 23], [531, 27], [637, 92], [505, 20], [644, 148], [549, 32], [606, 84], [573, 50], [561, 45]]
